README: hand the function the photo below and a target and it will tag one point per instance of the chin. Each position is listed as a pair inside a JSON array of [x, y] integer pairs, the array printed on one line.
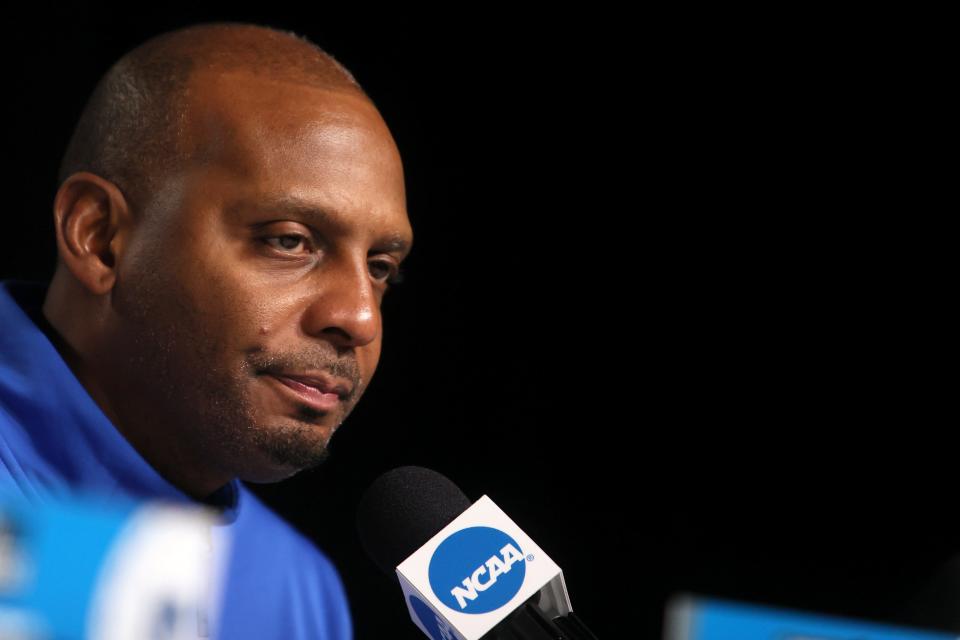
[[281, 462], [267, 469], [269, 476]]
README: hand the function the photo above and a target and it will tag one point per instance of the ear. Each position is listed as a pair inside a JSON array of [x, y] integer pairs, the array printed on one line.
[[92, 221]]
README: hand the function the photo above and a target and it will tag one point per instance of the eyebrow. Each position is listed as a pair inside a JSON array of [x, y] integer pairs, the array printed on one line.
[[326, 217]]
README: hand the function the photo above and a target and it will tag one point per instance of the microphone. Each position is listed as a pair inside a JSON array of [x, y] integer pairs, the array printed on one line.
[[466, 570]]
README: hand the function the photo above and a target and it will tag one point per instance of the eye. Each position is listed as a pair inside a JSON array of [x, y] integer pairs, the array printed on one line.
[[387, 271], [288, 241]]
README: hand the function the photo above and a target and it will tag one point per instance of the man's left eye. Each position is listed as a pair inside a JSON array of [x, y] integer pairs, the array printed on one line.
[[384, 270]]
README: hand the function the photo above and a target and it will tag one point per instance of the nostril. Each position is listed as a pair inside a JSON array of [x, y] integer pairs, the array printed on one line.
[[338, 331]]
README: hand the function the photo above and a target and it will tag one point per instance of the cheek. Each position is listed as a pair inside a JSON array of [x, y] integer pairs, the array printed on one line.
[[227, 286], [188, 320], [183, 294], [214, 293], [369, 358]]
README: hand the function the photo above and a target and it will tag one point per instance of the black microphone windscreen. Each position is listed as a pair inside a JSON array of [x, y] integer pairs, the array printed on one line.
[[404, 508]]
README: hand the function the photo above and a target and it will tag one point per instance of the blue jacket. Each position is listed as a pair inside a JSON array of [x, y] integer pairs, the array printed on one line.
[[55, 441]]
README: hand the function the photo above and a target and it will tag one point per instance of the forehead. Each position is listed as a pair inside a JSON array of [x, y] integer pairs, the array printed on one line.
[[277, 137]]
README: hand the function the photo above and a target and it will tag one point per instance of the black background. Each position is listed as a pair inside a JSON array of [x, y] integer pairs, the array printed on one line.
[[658, 307]]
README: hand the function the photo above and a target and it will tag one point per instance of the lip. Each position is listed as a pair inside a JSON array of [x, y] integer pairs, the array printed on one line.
[[324, 397], [319, 380]]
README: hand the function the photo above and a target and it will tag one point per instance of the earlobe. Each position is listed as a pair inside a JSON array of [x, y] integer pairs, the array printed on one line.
[[90, 217]]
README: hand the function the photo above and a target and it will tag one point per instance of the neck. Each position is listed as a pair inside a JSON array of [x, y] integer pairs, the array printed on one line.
[[144, 431]]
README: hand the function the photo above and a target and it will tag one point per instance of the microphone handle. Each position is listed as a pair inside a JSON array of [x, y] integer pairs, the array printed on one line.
[[529, 623], [573, 628]]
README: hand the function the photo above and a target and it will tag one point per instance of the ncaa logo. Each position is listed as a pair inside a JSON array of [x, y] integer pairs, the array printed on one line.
[[477, 570]]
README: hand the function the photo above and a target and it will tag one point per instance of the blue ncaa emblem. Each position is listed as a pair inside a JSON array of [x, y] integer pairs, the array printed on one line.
[[477, 570]]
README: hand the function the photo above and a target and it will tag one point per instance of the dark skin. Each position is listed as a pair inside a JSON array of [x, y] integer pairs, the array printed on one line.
[[178, 317]]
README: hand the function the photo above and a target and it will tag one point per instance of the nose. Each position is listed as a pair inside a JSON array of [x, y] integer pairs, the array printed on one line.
[[345, 308]]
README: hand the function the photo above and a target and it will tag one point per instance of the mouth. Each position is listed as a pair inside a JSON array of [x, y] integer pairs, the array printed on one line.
[[318, 393]]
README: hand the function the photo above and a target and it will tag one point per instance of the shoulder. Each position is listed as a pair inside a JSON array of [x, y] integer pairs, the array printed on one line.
[[258, 523], [19, 461], [279, 582]]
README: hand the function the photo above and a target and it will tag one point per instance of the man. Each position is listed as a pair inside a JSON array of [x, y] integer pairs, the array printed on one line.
[[231, 212]]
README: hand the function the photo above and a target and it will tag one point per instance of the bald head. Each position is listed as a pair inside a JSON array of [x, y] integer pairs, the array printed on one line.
[[131, 129]]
